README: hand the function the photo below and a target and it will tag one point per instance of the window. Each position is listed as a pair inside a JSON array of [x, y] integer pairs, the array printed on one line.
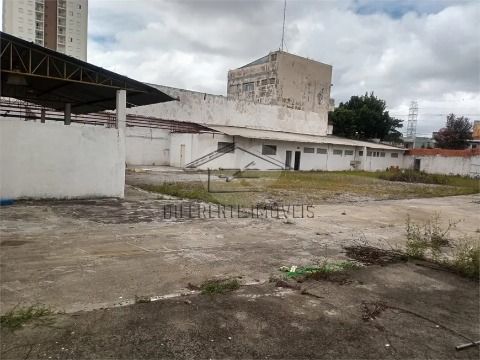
[[321, 151], [308, 150], [248, 86], [382, 154], [348, 152], [337, 152], [269, 150], [369, 153], [360, 153], [224, 147], [394, 155], [264, 81], [273, 57], [272, 80]]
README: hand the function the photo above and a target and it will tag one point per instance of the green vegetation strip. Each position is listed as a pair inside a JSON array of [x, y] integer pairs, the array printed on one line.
[[212, 287], [17, 317]]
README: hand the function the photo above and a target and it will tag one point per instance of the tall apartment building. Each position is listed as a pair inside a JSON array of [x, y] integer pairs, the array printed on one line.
[[59, 25], [281, 78]]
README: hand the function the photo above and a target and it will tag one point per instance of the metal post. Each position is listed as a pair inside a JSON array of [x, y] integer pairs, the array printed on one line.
[[42, 116], [208, 181], [67, 114]]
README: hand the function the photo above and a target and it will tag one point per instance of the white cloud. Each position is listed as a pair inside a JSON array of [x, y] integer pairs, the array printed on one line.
[[426, 50]]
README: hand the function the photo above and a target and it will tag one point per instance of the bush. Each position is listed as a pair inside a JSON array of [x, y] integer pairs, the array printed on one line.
[[413, 176], [430, 236], [467, 260]]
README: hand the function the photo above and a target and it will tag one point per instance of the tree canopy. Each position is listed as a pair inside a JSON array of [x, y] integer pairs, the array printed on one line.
[[455, 134], [365, 117]]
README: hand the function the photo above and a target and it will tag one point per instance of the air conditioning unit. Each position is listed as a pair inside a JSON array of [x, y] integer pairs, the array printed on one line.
[[355, 163]]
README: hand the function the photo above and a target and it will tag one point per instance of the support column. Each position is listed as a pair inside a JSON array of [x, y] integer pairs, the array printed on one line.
[[121, 109], [364, 159], [67, 119], [42, 116]]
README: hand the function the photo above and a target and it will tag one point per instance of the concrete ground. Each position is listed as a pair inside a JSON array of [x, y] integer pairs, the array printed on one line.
[[84, 255]]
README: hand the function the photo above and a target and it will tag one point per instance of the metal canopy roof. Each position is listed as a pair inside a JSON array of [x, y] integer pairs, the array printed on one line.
[[294, 137], [45, 77]]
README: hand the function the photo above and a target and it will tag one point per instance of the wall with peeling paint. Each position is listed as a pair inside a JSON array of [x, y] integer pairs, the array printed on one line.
[[209, 109], [284, 79]]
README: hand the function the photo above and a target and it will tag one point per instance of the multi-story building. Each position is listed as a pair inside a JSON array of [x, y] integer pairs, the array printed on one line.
[[284, 79], [59, 25]]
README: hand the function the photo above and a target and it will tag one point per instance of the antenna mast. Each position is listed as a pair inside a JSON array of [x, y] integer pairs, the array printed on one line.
[[283, 27], [412, 122]]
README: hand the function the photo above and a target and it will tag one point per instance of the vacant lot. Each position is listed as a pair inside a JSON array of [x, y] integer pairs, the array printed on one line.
[[130, 280], [266, 187]]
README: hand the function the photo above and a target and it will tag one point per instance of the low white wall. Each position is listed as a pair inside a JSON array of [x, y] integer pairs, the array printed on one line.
[[53, 160], [447, 165], [218, 110], [147, 146]]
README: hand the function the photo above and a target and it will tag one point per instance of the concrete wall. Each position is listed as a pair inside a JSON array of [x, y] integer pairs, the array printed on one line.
[[448, 165], [283, 79], [218, 110], [147, 146], [56, 161]]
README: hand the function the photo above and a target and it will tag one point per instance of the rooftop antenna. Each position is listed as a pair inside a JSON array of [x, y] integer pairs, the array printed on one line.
[[283, 27]]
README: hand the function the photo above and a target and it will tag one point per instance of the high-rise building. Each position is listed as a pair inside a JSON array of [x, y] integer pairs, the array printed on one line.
[[59, 25]]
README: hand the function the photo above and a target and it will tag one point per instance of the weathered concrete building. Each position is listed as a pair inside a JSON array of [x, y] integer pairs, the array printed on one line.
[[284, 79]]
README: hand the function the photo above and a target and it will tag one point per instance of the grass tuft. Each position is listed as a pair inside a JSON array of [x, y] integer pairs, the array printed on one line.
[[467, 260], [17, 317], [212, 287]]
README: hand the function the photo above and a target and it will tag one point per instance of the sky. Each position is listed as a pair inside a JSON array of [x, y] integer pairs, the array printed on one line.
[[422, 50]]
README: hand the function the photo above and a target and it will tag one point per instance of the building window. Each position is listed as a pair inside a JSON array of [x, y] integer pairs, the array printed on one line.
[[394, 155], [248, 86], [264, 81], [224, 147], [382, 154], [337, 152], [269, 150], [272, 81], [369, 153], [273, 57], [360, 153], [309, 150], [348, 152], [321, 151]]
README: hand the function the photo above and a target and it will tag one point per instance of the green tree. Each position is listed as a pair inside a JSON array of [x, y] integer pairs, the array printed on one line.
[[455, 134], [364, 117]]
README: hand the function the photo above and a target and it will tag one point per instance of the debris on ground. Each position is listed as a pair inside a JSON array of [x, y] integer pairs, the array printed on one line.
[[287, 285], [370, 255], [370, 311]]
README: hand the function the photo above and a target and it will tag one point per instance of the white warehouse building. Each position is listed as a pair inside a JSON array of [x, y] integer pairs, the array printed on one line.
[[263, 125]]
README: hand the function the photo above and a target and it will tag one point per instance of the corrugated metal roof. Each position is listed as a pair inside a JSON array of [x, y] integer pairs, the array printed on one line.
[[293, 137], [48, 78]]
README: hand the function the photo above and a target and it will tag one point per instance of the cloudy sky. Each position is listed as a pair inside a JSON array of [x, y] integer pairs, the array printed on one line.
[[424, 50]]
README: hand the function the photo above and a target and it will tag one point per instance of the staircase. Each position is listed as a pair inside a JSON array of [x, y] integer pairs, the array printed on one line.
[[228, 149], [211, 156]]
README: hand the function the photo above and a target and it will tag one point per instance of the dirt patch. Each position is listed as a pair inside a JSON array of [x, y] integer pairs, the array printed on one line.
[[370, 255], [13, 242]]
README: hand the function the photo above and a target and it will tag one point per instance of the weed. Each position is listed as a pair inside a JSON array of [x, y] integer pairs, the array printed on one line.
[[321, 271], [430, 236], [17, 317], [467, 260], [219, 286]]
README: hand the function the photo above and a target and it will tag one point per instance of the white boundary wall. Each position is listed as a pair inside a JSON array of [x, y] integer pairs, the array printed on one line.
[[147, 146], [447, 165], [53, 160]]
